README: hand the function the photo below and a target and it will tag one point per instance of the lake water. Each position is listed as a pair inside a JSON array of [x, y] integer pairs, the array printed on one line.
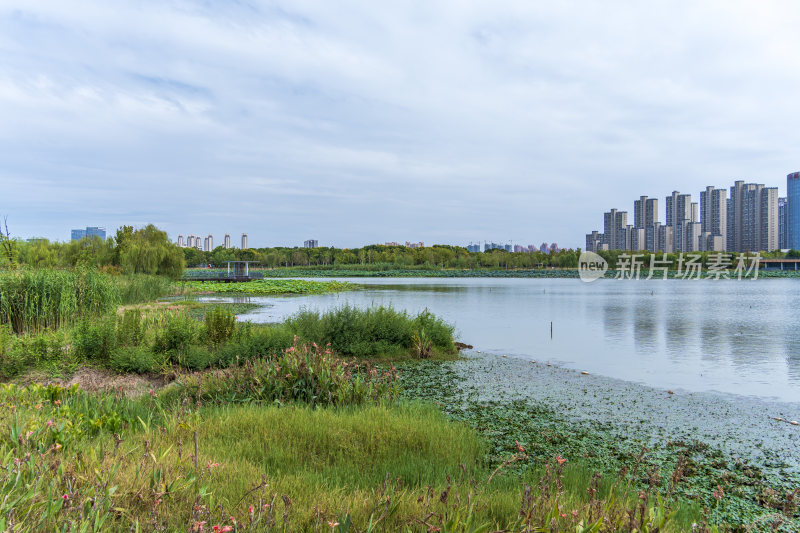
[[740, 337]]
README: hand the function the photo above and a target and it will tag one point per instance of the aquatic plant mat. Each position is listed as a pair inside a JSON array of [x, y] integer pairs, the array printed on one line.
[[564, 413]]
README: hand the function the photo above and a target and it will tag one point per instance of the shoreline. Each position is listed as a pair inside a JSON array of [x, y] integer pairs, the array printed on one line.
[[730, 440]]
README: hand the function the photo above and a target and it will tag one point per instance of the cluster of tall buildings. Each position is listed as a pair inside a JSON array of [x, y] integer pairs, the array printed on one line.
[[408, 244], [749, 217], [544, 247], [311, 243], [206, 244], [90, 231]]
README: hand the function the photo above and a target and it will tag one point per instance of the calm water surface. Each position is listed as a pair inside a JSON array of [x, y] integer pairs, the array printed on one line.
[[740, 337]]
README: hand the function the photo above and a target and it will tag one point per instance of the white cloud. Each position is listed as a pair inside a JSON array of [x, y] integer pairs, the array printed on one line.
[[508, 119]]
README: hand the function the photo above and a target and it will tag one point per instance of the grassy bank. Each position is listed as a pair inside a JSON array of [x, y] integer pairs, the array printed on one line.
[[166, 338], [94, 462]]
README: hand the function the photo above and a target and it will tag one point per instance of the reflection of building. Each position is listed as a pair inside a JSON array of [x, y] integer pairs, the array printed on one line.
[[310, 243]]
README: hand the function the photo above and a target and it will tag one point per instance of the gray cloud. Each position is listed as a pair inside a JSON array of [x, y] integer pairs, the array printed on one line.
[[359, 122]]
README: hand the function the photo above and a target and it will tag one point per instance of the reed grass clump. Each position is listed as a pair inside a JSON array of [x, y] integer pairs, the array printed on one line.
[[34, 299], [375, 331]]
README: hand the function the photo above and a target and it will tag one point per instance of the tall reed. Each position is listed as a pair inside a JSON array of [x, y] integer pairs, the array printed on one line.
[[32, 300]]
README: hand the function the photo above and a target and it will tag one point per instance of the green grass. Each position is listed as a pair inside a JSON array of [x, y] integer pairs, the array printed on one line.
[[377, 467]]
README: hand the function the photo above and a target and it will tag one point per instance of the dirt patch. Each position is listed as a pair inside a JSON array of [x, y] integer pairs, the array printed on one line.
[[99, 379]]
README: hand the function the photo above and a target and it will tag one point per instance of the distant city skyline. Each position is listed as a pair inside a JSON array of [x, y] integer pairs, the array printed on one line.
[[754, 218]]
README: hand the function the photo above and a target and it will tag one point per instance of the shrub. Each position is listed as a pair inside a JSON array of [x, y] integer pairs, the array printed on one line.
[[178, 333], [95, 339], [220, 324], [130, 331], [136, 359], [18, 353], [192, 357], [302, 373]]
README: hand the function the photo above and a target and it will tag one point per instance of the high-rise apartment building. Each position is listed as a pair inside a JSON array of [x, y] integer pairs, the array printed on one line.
[[714, 216], [208, 243], [244, 241], [768, 220], [782, 225], [752, 218], [639, 208], [90, 231], [793, 210], [679, 213], [666, 239], [594, 240], [310, 243], [651, 237], [613, 222], [180, 241]]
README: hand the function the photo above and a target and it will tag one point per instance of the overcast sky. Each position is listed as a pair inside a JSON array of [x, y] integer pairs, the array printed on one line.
[[362, 122]]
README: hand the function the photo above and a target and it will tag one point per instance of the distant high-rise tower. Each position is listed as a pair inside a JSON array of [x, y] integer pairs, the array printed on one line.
[[639, 209], [209, 243], [180, 241], [310, 243], [793, 211], [714, 217], [782, 225], [754, 212], [91, 231], [244, 241], [613, 222], [227, 243]]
